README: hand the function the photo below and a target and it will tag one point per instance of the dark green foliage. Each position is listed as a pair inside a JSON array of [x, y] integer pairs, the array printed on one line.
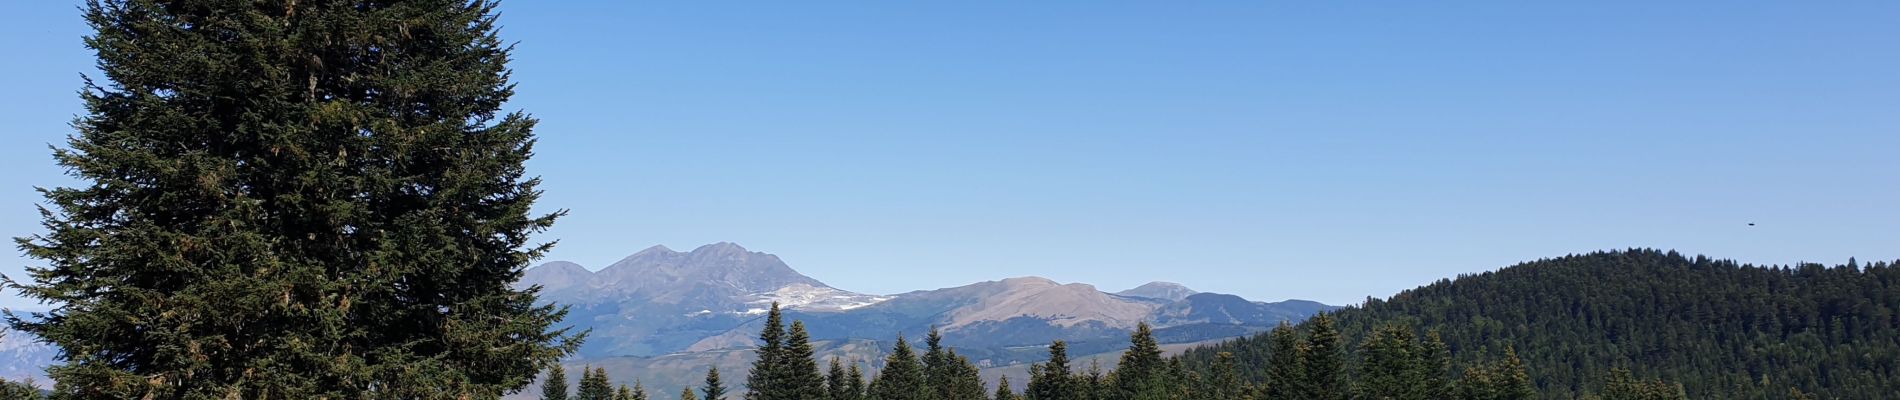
[[714, 388], [1224, 381], [762, 382], [555, 387], [1434, 368], [1003, 391], [948, 375], [836, 382], [1722, 330], [1322, 368], [291, 200], [903, 376], [637, 392], [798, 377], [1053, 379], [595, 385], [937, 368], [855, 384], [966, 381], [1283, 374], [1141, 372], [1502, 379], [1622, 386], [10, 390], [687, 394]]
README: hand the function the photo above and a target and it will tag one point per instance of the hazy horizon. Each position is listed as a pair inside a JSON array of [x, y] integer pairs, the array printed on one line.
[[1326, 152]]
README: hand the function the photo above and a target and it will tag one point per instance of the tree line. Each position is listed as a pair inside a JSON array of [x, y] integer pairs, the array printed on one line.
[[1615, 322], [1306, 363]]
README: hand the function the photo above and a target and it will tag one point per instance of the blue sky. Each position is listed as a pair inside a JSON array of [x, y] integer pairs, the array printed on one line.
[[1316, 150]]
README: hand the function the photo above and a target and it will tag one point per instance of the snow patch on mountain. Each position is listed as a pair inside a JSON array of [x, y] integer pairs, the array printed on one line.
[[807, 297]]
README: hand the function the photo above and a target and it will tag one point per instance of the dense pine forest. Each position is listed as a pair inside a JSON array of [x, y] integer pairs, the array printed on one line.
[[1720, 329]]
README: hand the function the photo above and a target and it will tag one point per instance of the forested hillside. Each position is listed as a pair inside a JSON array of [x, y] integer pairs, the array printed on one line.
[[1720, 329]]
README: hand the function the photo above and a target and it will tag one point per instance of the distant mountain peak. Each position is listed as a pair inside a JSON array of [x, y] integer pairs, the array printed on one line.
[[656, 249], [1029, 280], [722, 247], [1169, 291]]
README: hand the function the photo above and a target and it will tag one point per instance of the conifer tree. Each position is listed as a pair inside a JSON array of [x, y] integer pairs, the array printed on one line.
[[1388, 365], [1053, 379], [1514, 383], [637, 392], [1225, 382], [1003, 391], [714, 388], [835, 386], [903, 375], [855, 384], [937, 369], [1478, 384], [21, 390], [294, 200], [1095, 384], [1321, 366], [965, 380], [555, 388], [1434, 368], [1284, 377], [687, 394], [1181, 383], [595, 385], [1141, 373], [799, 378], [766, 370]]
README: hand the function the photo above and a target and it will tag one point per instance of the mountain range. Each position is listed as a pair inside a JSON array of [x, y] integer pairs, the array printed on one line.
[[651, 310]]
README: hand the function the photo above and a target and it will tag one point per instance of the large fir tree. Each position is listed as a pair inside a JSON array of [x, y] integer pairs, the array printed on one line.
[[1322, 367], [714, 388], [1284, 377], [799, 378], [1140, 374], [595, 385], [836, 387], [762, 381], [555, 387], [1053, 379], [903, 375], [294, 199]]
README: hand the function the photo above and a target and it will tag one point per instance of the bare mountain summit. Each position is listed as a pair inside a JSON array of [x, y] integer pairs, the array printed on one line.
[[1169, 291]]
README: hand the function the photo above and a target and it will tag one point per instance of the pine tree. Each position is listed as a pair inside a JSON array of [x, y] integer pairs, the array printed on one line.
[[835, 386], [855, 383], [714, 388], [903, 375], [1478, 384], [1284, 377], [1388, 366], [1094, 384], [937, 369], [1052, 380], [637, 392], [1320, 362], [966, 381], [1140, 374], [555, 388], [1225, 382], [595, 385], [687, 394], [294, 200], [799, 378], [1514, 383], [21, 390], [1003, 391], [767, 369], [1433, 369]]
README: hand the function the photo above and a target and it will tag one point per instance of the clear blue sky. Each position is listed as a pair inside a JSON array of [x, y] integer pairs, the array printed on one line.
[[1316, 150]]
